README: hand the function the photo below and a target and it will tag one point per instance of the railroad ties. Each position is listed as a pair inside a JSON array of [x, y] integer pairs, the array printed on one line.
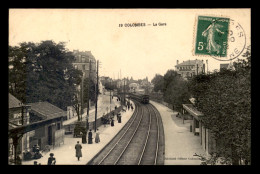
[[139, 142]]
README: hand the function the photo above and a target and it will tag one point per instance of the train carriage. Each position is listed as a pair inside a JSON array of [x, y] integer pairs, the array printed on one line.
[[143, 98]]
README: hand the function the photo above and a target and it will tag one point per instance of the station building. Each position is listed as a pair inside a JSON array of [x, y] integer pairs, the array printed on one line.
[[18, 114], [198, 129], [190, 68], [52, 132]]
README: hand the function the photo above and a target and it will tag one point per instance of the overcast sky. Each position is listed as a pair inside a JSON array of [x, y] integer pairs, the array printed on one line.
[[138, 51]]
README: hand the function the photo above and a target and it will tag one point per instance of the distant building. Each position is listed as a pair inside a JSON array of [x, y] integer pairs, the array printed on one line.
[[120, 83], [190, 68], [134, 87], [227, 66], [82, 62]]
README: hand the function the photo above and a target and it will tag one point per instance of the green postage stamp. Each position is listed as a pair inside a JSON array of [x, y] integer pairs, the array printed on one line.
[[212, 36]]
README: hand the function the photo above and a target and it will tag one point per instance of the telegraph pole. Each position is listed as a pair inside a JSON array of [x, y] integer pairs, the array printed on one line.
[[89, 86], [110, 94], [81, 109], [124, 91], [96, 99]]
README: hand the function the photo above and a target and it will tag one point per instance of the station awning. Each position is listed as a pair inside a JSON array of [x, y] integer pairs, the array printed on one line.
[[192, 110]]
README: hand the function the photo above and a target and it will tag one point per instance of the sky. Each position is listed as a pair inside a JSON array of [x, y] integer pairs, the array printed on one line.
[[137, 52]]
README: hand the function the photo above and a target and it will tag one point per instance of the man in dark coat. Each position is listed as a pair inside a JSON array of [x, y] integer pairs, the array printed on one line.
[[90, 137], [51, 159], [112, 122], [119, 117], [78, 148]]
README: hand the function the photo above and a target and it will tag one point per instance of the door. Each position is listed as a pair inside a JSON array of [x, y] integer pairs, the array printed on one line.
[[50, 135]]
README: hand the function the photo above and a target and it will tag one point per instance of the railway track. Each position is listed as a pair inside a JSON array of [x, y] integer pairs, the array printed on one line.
[[140, 141]]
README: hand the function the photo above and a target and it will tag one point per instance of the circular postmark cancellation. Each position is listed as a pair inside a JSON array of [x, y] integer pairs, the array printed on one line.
[[221, 38]]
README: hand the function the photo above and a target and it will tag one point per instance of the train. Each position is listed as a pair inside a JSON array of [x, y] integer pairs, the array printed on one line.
[[143, 98]]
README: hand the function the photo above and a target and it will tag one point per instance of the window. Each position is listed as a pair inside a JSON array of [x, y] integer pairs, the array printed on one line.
[[75, 66], [83, 59], [83, 67]]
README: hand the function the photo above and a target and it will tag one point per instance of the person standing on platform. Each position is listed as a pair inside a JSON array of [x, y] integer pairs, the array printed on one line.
[[119, 117], [51, 159], [112, 122], [90, 137], [84, 137], [78, 148], [97, 139]]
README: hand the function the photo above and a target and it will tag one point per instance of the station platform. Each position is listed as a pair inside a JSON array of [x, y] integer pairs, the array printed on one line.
[[180, 143], [65, 154]]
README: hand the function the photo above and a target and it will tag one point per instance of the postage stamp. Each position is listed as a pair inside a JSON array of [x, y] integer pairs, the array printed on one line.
[[219, 37], [212, 36]]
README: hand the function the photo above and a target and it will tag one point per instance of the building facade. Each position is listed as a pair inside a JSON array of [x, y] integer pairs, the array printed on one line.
[[229, 66], [190, 68], [82, 62]]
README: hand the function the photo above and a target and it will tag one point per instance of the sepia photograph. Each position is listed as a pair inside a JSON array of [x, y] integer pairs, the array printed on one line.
[[135, 86]]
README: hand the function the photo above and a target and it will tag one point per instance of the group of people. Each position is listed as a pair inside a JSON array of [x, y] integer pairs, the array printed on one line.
[[97, 139], [78, 146], [34, 154], [130, 105]]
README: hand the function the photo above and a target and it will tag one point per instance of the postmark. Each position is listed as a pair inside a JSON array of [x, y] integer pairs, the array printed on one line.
[[219, 37]]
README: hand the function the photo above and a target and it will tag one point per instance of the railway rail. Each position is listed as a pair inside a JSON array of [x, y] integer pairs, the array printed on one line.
[[139, 142]]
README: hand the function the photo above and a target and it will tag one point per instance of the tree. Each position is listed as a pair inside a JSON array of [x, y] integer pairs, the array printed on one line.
[[109, 85], [47, 73], [18, 56], [158, 82], [225, 100], [86, 90], [174, 88]]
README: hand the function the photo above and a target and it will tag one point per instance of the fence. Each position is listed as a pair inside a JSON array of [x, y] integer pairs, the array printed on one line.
[[59, 137]]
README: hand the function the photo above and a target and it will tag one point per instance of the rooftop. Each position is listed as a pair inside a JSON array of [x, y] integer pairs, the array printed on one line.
[[13, 102], [189, 62], [47, 110], [192, 110]]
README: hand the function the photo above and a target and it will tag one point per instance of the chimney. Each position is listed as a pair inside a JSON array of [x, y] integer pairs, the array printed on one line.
[[177, 62]]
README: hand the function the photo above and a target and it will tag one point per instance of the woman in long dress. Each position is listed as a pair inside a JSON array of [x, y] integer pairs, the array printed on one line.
[[97, 139], [210, 33]]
